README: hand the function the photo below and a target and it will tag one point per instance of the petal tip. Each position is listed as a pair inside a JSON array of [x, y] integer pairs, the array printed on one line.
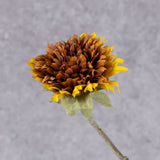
[[83, 34]]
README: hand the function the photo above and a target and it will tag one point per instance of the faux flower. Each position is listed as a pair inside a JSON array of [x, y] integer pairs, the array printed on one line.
[[77, 67], [76, 71]]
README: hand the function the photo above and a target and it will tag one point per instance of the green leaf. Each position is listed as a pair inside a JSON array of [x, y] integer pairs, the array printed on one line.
[[70, 105], [86, 105], [101, 98], [73, 105]]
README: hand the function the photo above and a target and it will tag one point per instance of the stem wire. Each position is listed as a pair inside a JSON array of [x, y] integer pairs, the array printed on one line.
[[107, 139]]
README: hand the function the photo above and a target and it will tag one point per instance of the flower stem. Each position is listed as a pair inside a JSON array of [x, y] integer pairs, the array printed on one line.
[[107, 139]]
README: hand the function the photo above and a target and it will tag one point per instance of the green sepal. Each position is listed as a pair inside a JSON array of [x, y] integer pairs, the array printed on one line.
[[81, 103], [70, 105], [101, 98], [86, 104]]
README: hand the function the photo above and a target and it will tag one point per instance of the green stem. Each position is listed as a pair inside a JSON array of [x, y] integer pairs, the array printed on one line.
[[107, 139]]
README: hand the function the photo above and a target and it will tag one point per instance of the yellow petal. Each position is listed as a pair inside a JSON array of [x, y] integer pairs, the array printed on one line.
[[116, 70], [37, 78], [120, 69], [30, 64], [50, 88], [76, 90], [53, 88], [79, 87], [34, 75], [105, 47], [113, 56], [109, 50], [32, 60], [104, 40], [115, 83], [99, 38], [65, 92], [107, 86], [94, 85], [56, 97], [111, 88], [88, 88], [93, 35], [104, 86], [118, 60], [31, 71], [83, 34]]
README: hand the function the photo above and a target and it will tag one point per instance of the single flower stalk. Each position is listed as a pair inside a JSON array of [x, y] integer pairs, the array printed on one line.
[[76, 71]]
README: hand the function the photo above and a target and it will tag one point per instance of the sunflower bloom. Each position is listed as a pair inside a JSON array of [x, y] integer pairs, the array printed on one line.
[[78, 66]]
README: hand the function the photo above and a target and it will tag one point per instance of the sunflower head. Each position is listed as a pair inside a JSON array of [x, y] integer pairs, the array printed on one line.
[[76, 67]]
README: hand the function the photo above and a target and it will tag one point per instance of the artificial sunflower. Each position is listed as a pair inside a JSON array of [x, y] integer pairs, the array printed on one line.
[[76, 67], [75, 71]]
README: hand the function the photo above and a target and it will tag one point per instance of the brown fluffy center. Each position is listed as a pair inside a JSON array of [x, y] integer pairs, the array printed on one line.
[[79, 61]]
